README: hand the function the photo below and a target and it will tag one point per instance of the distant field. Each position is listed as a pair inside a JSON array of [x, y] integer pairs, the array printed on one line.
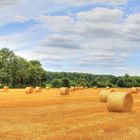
[[78, 116]]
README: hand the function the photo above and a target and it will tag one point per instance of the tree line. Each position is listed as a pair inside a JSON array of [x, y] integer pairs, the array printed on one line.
[[90, 80], [17, 72]]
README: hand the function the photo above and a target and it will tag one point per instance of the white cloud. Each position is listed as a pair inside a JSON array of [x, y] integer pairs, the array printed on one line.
[[21, 19], [7, 3], [132, 27], [15, 41], [60, 41], [56, 23], [99, 40], [101, 34], [86, 2], [101, 15]]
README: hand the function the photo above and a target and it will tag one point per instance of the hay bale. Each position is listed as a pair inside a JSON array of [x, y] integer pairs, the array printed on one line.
[[120, 102], [104, 95], [38, 89], [134, 90], [64, 91], [72, 89], [48, 88], [81, 88], [78, 88], [138, 88], [5, 88], [86, 87], [107, 88], [29, 90], [95, 87]]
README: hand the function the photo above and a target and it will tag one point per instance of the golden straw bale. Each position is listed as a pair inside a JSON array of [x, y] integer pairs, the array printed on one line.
[[78, 87], [120, 102], [134, 90], [64, 91], [138, 88], [38, 89], [72, 88], [5, 88], [29, 90], [48, 88], [86, 87], [81, 88], [95, 87], [107, 88], [104, 95]]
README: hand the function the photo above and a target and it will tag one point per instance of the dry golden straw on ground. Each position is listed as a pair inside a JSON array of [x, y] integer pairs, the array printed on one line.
[[29, 90], [53, 116], [64, 91], [104, 95], [134, 90], [38, 89], [120, 102]]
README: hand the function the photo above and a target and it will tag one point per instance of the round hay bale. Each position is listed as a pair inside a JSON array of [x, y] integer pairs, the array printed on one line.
[[29, 90], [38, 89], [95, 87], [64, 91], [120, 102], [107, 88], [134, 90], [86, 87], [138, 88], [78, 87], [81, 88], [48, 88], [104, 95], [5, 88], [72, 88]]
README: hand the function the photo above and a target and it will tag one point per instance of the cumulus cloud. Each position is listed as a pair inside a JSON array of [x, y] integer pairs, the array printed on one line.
[[85, 2], [101, 34], [21, 19], [101, 15], [15, 41], [100, 22], [5, 3], [60, 41], [99, 40], [132, 27]]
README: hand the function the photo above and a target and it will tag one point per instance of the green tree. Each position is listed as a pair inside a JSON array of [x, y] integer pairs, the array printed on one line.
[[65, 82], [121, 82], [56, 83], [94, 83]]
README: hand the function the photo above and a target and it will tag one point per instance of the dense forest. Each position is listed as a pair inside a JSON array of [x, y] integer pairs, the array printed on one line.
[[17, 72]]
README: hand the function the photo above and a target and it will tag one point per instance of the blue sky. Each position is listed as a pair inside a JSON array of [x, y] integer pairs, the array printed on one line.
[[92, 36]]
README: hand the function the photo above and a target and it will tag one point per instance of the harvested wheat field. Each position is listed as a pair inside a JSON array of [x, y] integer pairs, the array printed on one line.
[[77, 116]]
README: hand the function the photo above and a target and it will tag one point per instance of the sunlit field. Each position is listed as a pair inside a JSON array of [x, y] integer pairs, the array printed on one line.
[[51, 116]]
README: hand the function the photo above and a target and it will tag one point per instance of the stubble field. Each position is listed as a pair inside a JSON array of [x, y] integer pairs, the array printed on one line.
[[51, 116]]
